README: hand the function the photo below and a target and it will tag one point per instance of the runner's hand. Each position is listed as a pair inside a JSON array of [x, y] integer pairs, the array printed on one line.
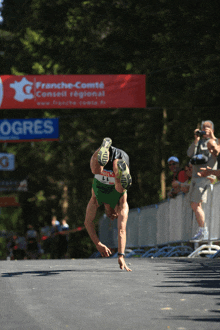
[[103, 250], [122, 264]]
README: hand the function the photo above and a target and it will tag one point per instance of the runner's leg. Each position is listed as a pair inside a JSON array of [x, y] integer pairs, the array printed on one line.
[[103, 154], [122, 222], [120, 176], [100, 157], [96, 168]]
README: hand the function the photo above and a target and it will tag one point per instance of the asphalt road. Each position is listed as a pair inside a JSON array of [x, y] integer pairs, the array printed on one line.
[[94, 294]]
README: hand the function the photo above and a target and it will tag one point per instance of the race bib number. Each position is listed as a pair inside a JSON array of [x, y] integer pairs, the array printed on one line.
[[106, 177]]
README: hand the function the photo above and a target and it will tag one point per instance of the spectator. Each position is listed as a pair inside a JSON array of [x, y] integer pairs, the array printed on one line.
[[45, 239], [32, 251], [218, 159], [201, 157], [22, 245], [184, 187], [178, 175], [214, 149], [64, 238], [55, 239], [55, 225], [16, 246], [65, 225]]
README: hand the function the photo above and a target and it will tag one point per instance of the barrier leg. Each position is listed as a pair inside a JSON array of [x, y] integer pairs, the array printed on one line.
[[216, 255]]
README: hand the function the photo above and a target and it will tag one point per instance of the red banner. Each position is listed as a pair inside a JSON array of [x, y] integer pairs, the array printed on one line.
[[72, 91], [8, 201]]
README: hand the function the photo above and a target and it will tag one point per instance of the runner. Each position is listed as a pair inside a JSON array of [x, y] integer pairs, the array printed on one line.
[[110, 166]]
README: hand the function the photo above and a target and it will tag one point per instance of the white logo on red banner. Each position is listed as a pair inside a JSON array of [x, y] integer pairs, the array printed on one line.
[[22, 90]]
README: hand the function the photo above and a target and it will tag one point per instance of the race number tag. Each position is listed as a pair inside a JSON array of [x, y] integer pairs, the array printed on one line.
[[106, 177]]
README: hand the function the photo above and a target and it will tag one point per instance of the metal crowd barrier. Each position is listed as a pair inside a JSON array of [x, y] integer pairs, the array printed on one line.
[[208, 248], [166, 228]]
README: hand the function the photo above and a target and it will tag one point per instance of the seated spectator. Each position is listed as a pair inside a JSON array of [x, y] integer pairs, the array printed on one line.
[[178, 174], [184, 187]]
